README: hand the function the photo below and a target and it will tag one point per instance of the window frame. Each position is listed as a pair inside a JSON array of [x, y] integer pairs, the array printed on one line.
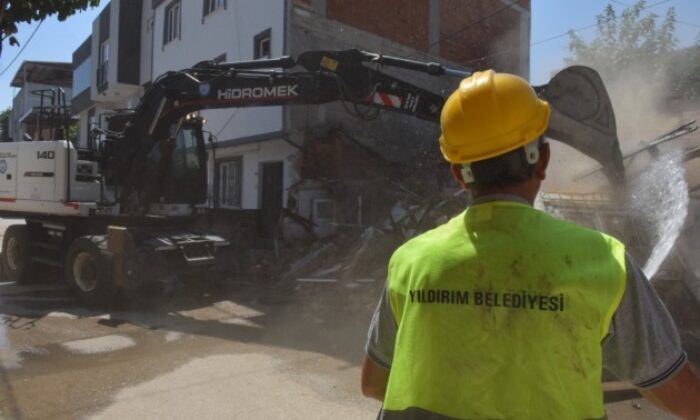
[[211, 6], [315, 217], [172, 28], [219, 185], [262, 36], [102, 63]]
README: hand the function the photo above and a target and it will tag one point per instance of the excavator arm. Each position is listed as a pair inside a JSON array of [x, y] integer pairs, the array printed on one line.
[[315, 77], [318, 77]]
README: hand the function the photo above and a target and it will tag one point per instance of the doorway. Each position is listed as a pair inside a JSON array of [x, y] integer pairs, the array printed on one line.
[[271, 188]]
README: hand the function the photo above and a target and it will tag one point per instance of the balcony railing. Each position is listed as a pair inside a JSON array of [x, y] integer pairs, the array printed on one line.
[[102, 75]]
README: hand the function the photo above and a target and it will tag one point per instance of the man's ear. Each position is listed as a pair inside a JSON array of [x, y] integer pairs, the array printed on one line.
[[542, 162], [457, 175]]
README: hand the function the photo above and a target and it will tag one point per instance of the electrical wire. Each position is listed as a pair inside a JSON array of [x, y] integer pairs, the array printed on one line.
[[682, 22], [21, 49], [238, 42], [552, 38], [233, 114], [464, 28]]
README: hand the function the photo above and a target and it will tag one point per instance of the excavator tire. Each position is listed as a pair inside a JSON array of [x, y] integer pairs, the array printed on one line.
[[87, 272], [17, 265]]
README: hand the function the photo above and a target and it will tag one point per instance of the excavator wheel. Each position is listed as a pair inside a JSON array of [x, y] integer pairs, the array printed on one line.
[[87, 272], [17, 264]]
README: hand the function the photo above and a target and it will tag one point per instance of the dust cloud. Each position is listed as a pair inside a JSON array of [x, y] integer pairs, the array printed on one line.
[[640, 104]]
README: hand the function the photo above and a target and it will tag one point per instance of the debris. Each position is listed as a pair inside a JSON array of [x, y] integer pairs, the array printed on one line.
[[310, 258], [326, 271], [317, 280]]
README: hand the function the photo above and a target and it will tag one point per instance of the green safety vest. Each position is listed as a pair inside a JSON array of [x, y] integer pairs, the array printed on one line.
[[501, 313]]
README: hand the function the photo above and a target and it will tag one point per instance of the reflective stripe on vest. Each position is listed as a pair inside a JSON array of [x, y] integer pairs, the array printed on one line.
[[501, 313]]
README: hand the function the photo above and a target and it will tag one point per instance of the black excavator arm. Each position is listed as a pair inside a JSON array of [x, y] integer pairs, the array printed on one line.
[[319, 77], [315, 77]]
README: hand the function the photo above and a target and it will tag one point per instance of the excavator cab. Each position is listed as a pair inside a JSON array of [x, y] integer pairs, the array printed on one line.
[[174, 170], [180, 164]]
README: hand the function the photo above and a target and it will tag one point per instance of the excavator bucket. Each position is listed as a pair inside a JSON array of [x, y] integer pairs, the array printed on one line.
[[583, 117]]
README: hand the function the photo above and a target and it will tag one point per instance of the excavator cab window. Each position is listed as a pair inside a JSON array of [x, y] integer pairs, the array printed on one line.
[[187, 159], [178, 166], [188, 178]]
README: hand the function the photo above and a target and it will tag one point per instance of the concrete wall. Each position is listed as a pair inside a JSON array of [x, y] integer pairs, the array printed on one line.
[[456, 30], [393, 135], [147, 42], [253, 155], [404, 21]]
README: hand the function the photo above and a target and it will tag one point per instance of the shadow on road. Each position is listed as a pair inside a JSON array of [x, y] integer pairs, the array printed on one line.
[[328, 318]]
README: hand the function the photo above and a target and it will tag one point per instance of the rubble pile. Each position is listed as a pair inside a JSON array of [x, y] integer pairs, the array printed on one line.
[[367, 231]]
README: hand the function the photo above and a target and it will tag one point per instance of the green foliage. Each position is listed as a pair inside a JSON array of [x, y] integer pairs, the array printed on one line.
[[625, 41], [14, 12], [5, 125], [684, 71], [72, 133]]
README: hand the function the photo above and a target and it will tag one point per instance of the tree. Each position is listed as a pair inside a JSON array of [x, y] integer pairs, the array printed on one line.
[[5, 125], [684, 72], [627, 41], [14, 12]]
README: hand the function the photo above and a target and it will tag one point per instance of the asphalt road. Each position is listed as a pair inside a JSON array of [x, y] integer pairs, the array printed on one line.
[[251, 349], [219, 354]]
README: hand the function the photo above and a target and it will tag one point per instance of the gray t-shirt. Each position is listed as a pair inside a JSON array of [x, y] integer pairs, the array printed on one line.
[[642, 347]]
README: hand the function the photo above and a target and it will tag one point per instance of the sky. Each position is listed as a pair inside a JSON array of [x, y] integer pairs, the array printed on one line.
[[53, 41], [551, 19]]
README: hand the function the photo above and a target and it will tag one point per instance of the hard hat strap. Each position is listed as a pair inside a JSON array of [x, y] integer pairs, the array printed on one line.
[[467, 175], [532, 151], [527, 155]]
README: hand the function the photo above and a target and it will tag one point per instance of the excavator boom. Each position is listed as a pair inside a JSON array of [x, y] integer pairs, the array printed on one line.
[[582, 115]]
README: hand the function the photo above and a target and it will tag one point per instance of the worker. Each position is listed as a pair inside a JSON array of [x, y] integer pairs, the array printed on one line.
[[505, 312]]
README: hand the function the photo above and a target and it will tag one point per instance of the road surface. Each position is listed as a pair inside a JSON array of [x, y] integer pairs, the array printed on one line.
[[252, 349]]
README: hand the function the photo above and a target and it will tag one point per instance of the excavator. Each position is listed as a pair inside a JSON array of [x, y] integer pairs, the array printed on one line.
[[122, 213]]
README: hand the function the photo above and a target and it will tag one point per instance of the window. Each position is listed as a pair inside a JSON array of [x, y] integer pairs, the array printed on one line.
[[229, 185], [171, 25], [323, 210], [186, 154], [210, 6], [263, 44], [103, 62], [81, 77], [104, 52]]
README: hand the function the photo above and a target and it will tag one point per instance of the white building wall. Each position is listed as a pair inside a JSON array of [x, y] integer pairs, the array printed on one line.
[[253, 155], [82, 128], [229, 31], [147, 42]]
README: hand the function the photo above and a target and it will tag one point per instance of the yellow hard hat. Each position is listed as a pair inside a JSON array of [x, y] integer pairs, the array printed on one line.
[[490, 114]]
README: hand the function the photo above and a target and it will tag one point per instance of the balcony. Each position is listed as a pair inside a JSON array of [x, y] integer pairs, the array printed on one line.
[[39, 111]]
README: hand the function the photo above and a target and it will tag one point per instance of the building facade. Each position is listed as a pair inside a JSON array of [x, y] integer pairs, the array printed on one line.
[[254, 159], [41, 106]]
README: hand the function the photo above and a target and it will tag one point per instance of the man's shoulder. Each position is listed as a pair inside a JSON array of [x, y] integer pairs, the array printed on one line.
[[432, 241], [566, 227], [570, 237]]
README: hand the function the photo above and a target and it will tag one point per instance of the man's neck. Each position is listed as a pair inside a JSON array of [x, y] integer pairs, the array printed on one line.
[[520, 191], [500, 197]]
